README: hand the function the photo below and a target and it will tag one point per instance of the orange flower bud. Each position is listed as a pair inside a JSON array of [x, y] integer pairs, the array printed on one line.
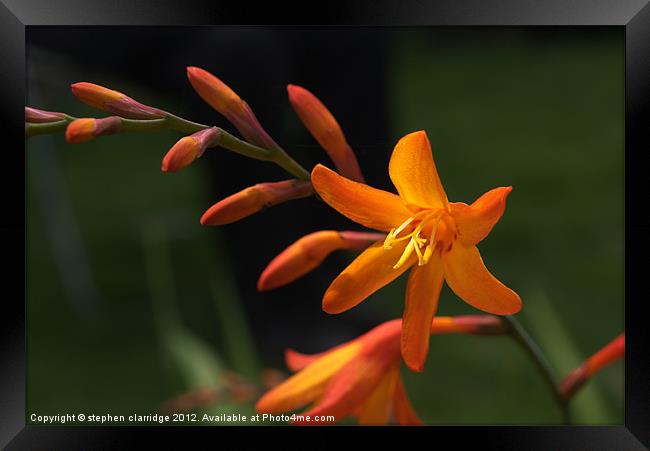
[[85, 129], [36, 116], [253, 199], [189, 148], [223, 99], [468, 324], [308, 253], [323, 126], [577, 378], [114, 101]]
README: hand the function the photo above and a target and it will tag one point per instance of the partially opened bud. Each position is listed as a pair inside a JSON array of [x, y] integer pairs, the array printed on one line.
[[323, 126], [189, 148], [308, 253], [577, 378], [253, 199], [85, 129], [468, 324], [223, 99], [36, 116], [114, 101]]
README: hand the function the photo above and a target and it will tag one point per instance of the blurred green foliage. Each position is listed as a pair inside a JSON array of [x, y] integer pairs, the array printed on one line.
[[542, 115]]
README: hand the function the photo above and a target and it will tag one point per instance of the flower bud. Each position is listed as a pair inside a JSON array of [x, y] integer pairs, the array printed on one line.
[[85, 129], [36, 116], [223, 99], [323, 126], [468, 324], [577, 378], [189, 148], [114, 101], [253, 199], [308, 253]]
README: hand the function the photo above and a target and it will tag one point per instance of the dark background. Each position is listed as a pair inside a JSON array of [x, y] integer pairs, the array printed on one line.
[[131, 301]]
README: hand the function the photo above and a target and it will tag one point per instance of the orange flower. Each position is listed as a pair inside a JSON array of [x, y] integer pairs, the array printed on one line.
[[253, 199], [85, 129], [113, 101], [359, 378], [613, 351], [435, 237], [323, 126], [223, 99], [189, 148], [308, 253]]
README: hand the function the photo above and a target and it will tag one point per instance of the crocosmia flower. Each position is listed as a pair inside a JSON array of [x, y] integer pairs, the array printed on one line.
[[426, 232], [360, 378]]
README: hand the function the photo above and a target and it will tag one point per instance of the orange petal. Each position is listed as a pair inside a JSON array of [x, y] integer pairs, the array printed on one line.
[[475, 221], [323, 126], [366, 274], [373, 208], [296, 361], [402, 408], [308, 253], [414, 173], [376, 409], [351, 387], [422, 294], [468, 277], [308, 384]]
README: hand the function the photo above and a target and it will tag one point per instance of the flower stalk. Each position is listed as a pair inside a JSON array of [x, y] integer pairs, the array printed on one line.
[[521, 336]]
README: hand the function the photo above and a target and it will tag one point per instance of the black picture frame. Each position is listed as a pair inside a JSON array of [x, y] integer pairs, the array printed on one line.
[[633, 15]]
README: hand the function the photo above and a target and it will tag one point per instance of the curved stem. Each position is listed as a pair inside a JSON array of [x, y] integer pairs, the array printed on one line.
[[44, 128], [521, 336], [231, 142]]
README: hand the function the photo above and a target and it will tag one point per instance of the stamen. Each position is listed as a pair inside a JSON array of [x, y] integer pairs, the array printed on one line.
[[389, 240], [428, 252], [405, 255], [403, 225]]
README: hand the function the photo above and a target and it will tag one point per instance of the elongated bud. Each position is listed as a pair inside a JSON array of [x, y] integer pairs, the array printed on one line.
[[323, 126], [577, 378], [253, 199], [85, 129], [468, 324], [189, 148], [308, 253], [114, 101], [36, 116], [223, 99]]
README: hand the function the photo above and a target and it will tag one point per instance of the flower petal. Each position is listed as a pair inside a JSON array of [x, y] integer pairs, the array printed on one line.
[[361, 203], [296, 361], [402, 408], [422, 294], [308, 384], [475, 221], [376, 409], [468, 277], [414, 173], [370, 271], [351, 387]]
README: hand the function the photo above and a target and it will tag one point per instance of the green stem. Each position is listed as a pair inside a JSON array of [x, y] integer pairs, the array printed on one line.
[[45, 128], [517, 331], [230, 142]]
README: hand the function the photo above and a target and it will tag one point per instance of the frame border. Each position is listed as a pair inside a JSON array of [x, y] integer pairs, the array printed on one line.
[[634, 15]]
